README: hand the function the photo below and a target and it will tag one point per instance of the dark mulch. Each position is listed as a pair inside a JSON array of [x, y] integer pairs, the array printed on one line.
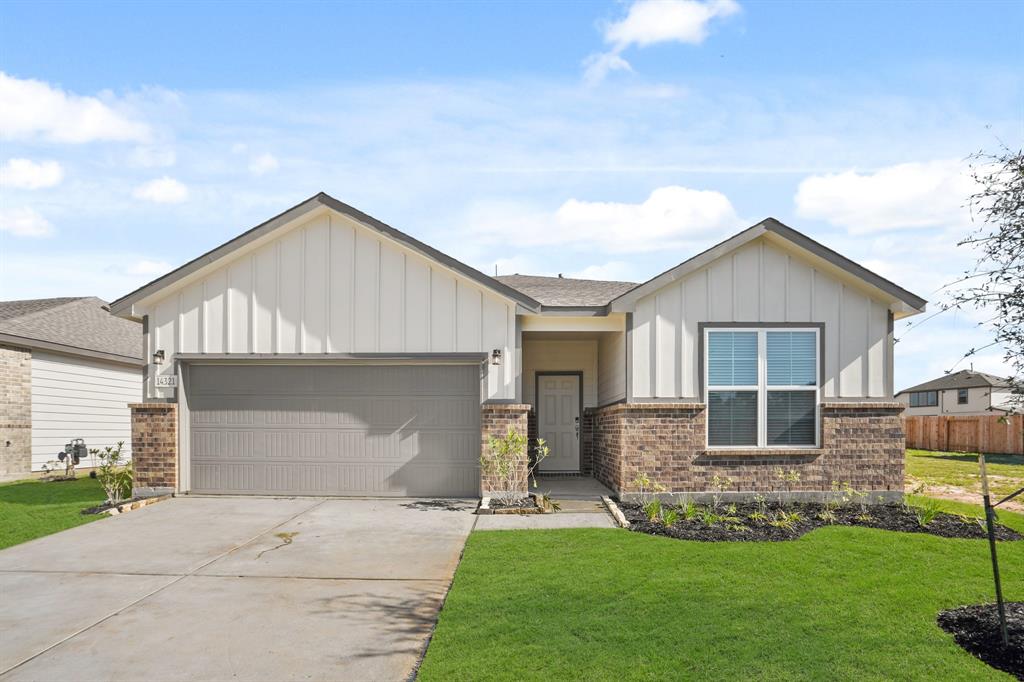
[[524, 505], [976, 629], [740, 527]]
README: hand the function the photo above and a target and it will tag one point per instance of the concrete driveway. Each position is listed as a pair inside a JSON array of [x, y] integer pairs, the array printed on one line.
[[208, 589]]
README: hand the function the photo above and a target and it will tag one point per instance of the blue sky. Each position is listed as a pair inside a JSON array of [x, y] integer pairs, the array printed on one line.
[[614, 139]]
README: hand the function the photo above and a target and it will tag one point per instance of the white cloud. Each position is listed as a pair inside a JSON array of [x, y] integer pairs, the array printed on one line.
[[106, 276], [24, 222], [163, 190], [909, 195], [28, 174], [598, 65], [262, 164], [619, 271], [31, 108], [149, 267], [671, 216], [649, 22]]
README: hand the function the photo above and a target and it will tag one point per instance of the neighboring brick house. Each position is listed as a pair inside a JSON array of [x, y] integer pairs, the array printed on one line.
[[325, 352], [962, 393], [68, 369]]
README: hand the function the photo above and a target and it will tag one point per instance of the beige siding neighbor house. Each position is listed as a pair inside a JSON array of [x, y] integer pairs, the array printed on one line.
[[68, 369], [325, 352], [963, 393]]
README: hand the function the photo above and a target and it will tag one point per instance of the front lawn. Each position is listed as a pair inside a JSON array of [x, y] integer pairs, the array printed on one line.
[[839, 603], [947, 472], [31, 509]]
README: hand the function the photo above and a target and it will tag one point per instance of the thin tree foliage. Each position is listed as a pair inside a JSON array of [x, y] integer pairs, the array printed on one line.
[[996, 282]]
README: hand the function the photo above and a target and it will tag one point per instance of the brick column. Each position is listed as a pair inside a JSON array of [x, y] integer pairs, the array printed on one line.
[[15, 412], [154, 448], [495, 420]]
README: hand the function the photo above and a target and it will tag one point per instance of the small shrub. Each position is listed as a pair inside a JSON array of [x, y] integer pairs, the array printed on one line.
[[786, 479], [509, 463], [786, 520], [652, 510], [688, 510], [927, 511], [758, 516], [720, 484], [647, 490], [738, 528], [827, 516], [708, 517], [670, 516], [865, 517], [114, 473]]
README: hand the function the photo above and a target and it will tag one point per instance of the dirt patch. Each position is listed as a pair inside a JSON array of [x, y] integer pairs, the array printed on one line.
[[956, 494], [772, 522], [976, 629]]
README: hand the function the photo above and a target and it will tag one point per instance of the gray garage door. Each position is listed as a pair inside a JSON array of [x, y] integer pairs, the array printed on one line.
[[335, 430]]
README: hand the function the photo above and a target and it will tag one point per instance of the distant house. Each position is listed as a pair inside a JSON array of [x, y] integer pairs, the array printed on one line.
[[964, 393], [68, 369]]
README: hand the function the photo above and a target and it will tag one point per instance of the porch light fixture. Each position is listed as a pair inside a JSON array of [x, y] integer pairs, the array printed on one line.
[[496, 356], [158, 357]]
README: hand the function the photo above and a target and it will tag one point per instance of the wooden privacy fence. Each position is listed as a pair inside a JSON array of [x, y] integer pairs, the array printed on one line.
[[990, 434]]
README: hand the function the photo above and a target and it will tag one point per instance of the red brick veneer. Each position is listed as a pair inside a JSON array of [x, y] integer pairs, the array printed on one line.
[[495, 420], [862, 444], [155, 447]]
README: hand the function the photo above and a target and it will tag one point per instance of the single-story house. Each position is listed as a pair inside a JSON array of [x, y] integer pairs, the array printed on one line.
[[962, 393], [325, 352], [68, 369]]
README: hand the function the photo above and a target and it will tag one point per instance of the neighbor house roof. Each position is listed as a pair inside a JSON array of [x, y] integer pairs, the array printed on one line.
[[122, 306], [76, 326], [962, 379], [771, 226], [566, 291]]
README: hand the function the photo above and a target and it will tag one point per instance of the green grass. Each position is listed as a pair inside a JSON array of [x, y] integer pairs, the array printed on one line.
[[840, 603], [32, 509], [959, 469]]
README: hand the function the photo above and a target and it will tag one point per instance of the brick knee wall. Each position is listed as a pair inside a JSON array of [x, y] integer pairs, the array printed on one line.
[[495, 420], [15, 412], [862, 444], [155, 447]]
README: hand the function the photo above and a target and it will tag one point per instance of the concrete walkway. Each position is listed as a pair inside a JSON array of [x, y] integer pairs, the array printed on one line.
[[232, 588]]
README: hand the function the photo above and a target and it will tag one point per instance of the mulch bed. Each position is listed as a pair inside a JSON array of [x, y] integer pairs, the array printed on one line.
[[524, 505], [741, 528], [976, 629]]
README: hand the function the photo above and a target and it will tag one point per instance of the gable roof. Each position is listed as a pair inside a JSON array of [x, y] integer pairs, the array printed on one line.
[[122, 306], [76, 326], [561, 292], [962, 379], [768, 226]]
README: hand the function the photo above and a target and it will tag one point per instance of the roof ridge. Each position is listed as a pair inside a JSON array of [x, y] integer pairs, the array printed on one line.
[[45, 311]]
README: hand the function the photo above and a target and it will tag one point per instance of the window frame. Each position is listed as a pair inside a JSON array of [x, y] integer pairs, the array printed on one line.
[[762, 388], [966, 396]]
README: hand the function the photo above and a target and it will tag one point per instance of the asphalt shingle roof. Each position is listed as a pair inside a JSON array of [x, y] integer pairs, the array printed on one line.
[[83, 322], [962, 379], [564, 291]]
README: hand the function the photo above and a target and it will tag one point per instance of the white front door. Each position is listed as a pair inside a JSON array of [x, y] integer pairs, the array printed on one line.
[[558, 420]]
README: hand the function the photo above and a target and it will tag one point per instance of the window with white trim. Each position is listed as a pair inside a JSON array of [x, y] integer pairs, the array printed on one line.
[[762, 387]]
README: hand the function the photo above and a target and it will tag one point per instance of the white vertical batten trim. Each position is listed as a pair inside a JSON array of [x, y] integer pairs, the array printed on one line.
[[251, 345], [275, 319], [202, 317], [430, 312], [681, 355], [328, 336], [785, 293], [760, 281], [377, 311], [403, 293], [302, 290], [352, 290], [225, 339]]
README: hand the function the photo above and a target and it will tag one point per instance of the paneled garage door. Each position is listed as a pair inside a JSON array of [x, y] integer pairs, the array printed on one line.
[[335, 429]]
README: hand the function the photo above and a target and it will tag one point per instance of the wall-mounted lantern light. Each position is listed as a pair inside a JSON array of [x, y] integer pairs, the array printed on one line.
[[158, 357], [496, 356]]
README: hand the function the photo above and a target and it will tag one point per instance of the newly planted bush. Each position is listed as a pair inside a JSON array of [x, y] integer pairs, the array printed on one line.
[[510, 465], [114, 473], [927, 511]]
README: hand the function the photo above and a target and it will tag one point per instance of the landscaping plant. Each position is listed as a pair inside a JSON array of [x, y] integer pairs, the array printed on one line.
[[509, 464], [114, 473]]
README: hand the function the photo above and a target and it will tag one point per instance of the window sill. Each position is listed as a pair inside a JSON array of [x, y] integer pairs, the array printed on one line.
[[764, 452]]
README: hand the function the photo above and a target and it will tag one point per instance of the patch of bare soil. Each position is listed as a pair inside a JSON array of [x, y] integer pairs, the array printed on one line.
[[956, 494]]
